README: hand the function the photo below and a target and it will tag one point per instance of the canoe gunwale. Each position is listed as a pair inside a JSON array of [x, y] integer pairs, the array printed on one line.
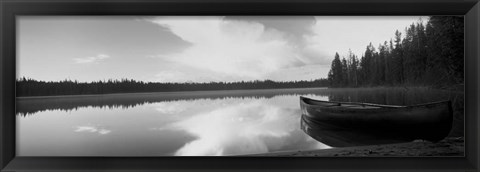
[[305, 99]]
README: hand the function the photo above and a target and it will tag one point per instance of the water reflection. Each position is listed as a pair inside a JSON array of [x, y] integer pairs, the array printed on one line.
[[29, 106], [202, 127], [92, 129], [191, 123], [245, 128], [239, 126], [393, 96]]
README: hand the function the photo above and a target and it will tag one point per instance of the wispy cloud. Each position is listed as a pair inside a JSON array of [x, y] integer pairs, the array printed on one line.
[[92, 129], [91, 59], [172, 76]]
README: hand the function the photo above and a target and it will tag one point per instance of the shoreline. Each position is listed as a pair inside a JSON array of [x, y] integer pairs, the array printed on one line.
[[448, 147]]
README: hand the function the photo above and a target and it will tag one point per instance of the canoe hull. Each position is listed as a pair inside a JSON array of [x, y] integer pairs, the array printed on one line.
[[345, 137], [431, 122]]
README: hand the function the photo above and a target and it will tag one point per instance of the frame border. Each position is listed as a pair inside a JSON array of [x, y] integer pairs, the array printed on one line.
[[9, 9]]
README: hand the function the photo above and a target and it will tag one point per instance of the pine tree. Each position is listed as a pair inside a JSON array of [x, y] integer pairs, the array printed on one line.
[[397, 58], [335, 76], [345, 73]]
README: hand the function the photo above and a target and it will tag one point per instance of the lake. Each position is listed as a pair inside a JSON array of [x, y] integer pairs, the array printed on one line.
[[200, 123]]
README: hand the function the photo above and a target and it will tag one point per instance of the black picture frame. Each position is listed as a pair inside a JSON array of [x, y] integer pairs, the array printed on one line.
[[11, 8]]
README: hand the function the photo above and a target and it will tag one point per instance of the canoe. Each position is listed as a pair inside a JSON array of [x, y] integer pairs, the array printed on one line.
[[346, 137], [431, 121]]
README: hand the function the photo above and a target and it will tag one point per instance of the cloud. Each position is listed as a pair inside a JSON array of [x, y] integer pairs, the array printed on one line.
[[238, 49], [189, 74], [104, 131], [294, 27], [91, 59], [179, 75], [157, 129], [86, 129], [306, 72], [92, 129]]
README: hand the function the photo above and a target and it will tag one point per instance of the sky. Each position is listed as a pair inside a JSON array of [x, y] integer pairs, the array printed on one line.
[[194, 48]]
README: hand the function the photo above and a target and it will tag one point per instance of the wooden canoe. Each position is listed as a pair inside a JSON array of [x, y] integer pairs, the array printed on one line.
[[432, 121], [347, 137]]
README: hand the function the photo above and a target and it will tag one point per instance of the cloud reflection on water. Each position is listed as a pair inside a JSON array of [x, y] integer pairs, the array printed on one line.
[[170, 107], [92, 129], [241, 128]]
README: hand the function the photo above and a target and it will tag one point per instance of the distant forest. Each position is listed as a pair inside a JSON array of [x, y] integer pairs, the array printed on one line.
[[428, 55], [31, 87]]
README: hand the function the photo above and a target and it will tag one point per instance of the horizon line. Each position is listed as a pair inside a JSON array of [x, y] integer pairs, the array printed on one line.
[[127, 79]]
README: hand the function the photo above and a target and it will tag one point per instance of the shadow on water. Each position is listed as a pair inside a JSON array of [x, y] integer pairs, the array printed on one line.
[[390, 96]]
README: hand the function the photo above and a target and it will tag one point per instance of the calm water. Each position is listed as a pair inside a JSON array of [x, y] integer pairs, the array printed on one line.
[[189, 123]]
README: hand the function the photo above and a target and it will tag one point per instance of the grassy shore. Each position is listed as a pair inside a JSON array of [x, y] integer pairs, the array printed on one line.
[[447, 147]]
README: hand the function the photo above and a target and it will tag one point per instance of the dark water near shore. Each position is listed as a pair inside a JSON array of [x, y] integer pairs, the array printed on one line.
[[190, 123]]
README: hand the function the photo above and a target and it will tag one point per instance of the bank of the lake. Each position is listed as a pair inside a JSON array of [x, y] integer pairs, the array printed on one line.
[[453, 146]]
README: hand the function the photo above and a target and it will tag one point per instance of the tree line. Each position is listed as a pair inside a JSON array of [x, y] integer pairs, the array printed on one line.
[[428, 55], [32, 87]]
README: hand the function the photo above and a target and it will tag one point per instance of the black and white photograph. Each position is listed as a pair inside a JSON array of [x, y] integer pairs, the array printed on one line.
[[286, 86]]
